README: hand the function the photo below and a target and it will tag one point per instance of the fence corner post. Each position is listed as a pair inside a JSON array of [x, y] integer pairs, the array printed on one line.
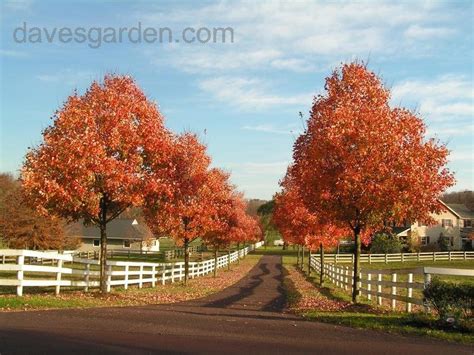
[[427, 280], [19, 275], [58, 277], [409, 292]]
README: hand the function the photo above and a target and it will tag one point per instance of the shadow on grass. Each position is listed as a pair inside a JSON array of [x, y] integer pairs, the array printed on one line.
[[364, 316]]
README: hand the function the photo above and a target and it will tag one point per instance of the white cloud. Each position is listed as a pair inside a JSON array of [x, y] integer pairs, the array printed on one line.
[[438, 99], [250, 93], [258, 168], [67, 76], [284, 35], [269, 128], [12, 53], [18, 5], [208, 60], [417, 32]]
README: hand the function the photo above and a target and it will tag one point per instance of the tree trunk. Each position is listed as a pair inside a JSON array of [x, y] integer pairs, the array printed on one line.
[[285, 246], [215, 261], [357, 250], [103, 244], [302, 257], [298, 256], [309, 262], [321, 255], [186, 260]]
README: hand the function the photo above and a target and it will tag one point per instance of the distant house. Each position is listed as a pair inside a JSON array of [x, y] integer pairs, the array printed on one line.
[[454, 223], [122, 234]]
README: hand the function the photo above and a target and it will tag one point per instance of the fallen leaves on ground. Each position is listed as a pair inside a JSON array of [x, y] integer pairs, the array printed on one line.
[[134, 296], [310, 297]]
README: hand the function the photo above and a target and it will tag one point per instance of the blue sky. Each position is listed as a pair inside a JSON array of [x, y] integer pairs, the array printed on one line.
[[244, 97]]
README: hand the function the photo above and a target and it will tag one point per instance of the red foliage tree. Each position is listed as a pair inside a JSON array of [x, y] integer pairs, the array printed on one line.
[[95, 159], [190, 210], [361, 163]]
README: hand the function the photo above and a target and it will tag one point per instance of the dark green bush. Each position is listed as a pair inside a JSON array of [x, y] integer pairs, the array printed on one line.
[[385, 243], [450, 299]]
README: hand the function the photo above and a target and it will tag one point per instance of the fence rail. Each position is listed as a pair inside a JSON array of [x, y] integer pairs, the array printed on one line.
[[401, 257], [26, 269], [395, 285]]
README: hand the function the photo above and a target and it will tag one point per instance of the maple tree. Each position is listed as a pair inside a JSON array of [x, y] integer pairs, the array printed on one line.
[[361, 163], [21, 226], [190, 209], [299, 226], [96, 158]]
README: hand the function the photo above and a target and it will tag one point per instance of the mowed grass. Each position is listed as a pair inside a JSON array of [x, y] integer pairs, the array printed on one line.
[[300, 287]]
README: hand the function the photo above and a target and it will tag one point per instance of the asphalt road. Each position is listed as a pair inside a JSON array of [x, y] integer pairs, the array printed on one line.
[[246, 318]]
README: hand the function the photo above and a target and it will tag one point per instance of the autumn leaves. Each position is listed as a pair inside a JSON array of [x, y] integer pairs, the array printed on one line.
[[359, 166], [108, 150]]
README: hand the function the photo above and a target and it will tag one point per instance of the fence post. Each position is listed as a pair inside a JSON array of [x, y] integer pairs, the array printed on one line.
[[370, 258], [109, 277], [58, 277], [386, 258], [140, 280], [434, 256], [346, 279], [126, 277], [409, 291], [154, 276], [449, 253], [163, 275], [418, 256], [19, 275], [403, 257], [87, 272], [369, 286], [394, 291], [465, 255], [427, 280], [379, 289]]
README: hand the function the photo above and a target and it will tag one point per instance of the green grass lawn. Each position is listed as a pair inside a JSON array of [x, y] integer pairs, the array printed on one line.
[[364, 315]]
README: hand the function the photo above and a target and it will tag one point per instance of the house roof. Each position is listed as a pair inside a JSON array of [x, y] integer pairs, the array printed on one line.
[[400, 231], [461, 210], [116, 229]]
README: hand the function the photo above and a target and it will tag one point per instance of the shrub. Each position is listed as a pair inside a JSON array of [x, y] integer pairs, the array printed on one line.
[[384, 243], [443, 243], [450, 299]]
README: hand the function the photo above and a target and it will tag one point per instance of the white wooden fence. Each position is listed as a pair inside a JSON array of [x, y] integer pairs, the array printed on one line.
[[401, 257], [26, 268], [395, 285]]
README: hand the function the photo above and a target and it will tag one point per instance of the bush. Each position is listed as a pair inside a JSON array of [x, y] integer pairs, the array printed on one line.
[[450, 300], [443, 243], [384, 243]]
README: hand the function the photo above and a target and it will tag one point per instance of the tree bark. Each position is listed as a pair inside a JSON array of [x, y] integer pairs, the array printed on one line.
[[321, 256], [302, 257], [186, 260], [356, 279], [309, 262], [298, 257], [103, 244]]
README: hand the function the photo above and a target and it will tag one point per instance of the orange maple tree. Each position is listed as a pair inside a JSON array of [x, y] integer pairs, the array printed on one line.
[[95, 160], [191, 208], [361, 163]]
